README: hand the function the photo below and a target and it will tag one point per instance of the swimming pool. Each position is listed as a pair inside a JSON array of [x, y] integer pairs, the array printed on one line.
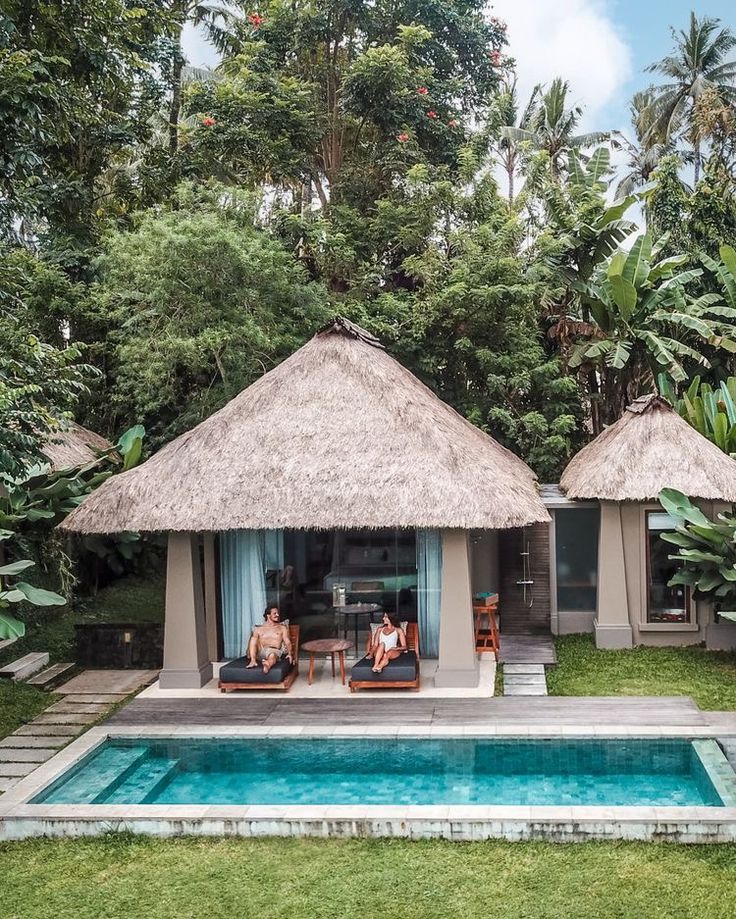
[[333, 770]]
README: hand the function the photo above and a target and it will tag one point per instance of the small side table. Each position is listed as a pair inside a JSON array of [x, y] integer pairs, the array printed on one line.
[[331, 646]]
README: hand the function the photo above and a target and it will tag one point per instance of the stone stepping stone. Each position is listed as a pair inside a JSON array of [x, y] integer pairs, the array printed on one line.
[[16, 770], [108, 681], [7, 642], [64, 718], [28, 741], [77, 708], [51, 675], [509, 669], [34, 755], [525, 690], [102, 698], [25, 666], [34, 729], [521, 679], [6, 783]]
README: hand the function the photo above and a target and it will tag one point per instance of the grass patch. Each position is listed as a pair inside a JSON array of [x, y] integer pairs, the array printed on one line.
[[19, 704], [136, 878], [583, 670]]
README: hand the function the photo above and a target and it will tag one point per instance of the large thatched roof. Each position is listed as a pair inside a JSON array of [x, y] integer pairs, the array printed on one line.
[[74, 446], [648, 449], [339, 435]]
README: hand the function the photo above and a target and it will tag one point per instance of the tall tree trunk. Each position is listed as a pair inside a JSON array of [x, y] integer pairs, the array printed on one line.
[[510, 170], [175, 107], [696, 147]]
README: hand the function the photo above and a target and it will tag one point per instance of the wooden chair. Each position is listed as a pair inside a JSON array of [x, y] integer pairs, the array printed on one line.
[[405, 673], [487, 637], [237, 675]]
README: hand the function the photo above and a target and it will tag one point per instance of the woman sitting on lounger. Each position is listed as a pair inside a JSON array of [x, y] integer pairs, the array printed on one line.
[[387, 643]]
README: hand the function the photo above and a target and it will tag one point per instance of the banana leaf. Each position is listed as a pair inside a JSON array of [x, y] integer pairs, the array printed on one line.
[[10, 627]]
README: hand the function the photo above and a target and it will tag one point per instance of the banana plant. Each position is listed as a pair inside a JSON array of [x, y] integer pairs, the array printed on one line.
[[643, 314], [712, 412], [706, 549], [12, 591]]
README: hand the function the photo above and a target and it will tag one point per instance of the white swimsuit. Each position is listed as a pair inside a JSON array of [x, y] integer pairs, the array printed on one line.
[[391, 640]]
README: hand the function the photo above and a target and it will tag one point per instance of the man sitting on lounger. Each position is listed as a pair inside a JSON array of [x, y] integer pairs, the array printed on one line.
[[269, 642]]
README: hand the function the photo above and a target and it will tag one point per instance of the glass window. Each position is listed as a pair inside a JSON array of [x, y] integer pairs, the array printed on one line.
[[373, 566], [576, 543], [664, 604]]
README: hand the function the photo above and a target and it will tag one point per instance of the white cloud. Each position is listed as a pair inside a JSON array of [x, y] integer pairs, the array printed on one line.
[[574, 39]]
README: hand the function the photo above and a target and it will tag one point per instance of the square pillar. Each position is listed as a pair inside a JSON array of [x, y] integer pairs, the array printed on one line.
[[186, 662], [612, 624], [210, 596], [458, 664]]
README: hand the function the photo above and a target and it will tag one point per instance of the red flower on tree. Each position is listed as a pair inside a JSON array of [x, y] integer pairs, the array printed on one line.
[[431, 114], [452, 123], [255, 20], [496, 58], [209, 121], [403, 138], [422, 90]]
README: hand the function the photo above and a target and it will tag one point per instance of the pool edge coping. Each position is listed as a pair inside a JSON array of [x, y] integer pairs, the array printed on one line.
[[18, 817]]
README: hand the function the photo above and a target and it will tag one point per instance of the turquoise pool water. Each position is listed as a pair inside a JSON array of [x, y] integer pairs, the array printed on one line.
[[406, 771]]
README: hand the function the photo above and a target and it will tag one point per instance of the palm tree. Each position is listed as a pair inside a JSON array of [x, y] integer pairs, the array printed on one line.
[[505, 114], [645, 153], [214, 19], [699, 61], [551, 125]]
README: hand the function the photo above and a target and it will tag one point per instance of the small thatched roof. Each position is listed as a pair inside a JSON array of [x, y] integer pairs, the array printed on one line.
[[339, 435], [74, 446], [648, 449]]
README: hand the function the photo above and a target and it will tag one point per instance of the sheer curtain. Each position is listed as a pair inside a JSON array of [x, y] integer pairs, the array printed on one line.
[[243, 586], [429, 588]]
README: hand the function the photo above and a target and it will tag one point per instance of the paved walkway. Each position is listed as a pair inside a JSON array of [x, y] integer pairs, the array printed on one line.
[[626, 711], [524, 680], [85, 699], [527, 649]]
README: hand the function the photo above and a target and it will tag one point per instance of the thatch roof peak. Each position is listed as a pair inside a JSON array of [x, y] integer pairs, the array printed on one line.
[[650, 448], [339, 435], [342, 326]]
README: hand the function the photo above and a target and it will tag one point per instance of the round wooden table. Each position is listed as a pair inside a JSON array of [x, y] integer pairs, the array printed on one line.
[[331, 646]]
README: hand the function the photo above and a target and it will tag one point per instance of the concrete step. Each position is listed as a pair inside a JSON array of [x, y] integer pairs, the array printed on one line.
[[52, 675], [25, 666], [111, 767], [28, 741], [520, 679], [7, 642], [34, 729], [17, 755], [16, 770], [64, 718], [77, 708], [525, 691], [142, 783], [94, 698], [523, 668]]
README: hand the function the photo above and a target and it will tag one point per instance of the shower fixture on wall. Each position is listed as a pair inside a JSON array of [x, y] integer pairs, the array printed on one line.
[[526, 583]]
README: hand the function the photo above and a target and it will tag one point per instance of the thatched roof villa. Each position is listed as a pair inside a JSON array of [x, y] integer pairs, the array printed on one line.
[[612, 485], [338, 467]]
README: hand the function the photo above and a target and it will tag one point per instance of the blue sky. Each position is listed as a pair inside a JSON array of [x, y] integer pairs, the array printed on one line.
[[600, 46]]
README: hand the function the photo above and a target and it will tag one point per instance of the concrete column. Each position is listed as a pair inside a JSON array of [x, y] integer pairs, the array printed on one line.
[[612, 625], [210, 596], [186, 663], [458, 665]]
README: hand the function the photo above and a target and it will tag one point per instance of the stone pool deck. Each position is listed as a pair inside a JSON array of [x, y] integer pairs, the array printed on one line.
[[238, 716]]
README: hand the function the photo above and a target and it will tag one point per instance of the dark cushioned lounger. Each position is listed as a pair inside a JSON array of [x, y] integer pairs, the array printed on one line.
[[401, 670], [237, 671]]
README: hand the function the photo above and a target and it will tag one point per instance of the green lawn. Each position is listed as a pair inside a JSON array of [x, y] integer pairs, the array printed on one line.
[[52, 630], [708, 676], [137, 878]]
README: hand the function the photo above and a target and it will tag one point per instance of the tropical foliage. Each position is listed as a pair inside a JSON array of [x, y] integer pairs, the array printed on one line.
[[706, 549]]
